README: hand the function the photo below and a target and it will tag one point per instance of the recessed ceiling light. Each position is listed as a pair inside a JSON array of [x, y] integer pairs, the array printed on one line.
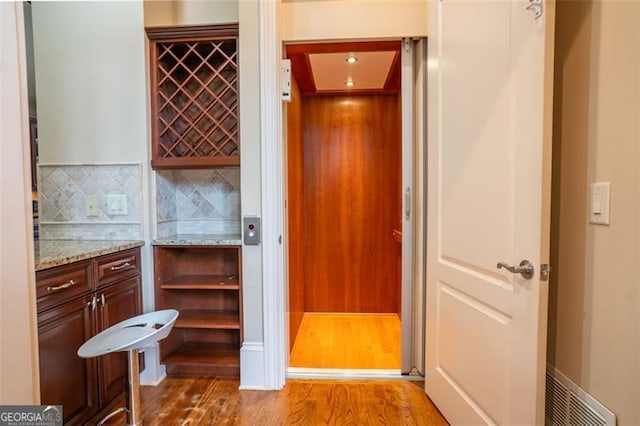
[[352, 59], [349, 83]]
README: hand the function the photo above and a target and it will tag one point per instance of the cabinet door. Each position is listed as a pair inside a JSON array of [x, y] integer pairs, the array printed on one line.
[[116, 303], [65, 378]]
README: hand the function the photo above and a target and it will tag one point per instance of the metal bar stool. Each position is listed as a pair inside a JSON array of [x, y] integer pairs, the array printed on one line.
[[130, 335]]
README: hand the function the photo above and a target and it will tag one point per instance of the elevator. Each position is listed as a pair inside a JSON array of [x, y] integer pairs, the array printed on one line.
[[349, 198]]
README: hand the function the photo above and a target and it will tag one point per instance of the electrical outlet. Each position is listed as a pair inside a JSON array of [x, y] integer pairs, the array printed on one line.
[[91, 205], [116, 204]]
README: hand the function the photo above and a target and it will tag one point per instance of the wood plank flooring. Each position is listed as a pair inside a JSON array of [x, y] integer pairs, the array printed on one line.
[[200, 401], [352, 341]]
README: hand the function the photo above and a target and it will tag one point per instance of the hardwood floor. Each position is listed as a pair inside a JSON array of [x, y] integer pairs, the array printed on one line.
[[201, 401], [353, 341]]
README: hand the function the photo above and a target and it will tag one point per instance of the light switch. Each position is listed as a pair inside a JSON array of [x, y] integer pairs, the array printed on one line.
[[600, 204]]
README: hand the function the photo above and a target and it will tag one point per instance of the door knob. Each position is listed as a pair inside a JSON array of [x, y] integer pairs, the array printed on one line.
[[525, 269]]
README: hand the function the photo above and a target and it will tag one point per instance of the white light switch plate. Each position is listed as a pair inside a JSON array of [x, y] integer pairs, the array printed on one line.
[[116, 204], [600, 203]]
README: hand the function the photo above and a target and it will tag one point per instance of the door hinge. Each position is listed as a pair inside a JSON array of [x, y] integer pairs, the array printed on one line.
[[536, 7], [545, 271]]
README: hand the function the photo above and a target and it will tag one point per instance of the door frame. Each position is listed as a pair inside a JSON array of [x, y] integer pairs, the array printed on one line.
[[273, 188], [408, 142]]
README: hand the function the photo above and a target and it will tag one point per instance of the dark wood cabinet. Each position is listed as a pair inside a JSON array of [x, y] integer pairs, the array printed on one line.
[[73, 313], [204, 284], [194, 96], [65, 378]]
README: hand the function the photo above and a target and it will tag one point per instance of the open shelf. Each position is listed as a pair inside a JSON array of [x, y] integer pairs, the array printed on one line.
[[201, 318], [201, 282], [204, 359], [204, 284]]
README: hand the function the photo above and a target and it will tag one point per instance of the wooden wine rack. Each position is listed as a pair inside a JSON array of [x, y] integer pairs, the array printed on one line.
[[194, 96]]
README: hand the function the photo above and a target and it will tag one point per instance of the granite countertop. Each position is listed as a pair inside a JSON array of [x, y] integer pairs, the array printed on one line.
[[50, 253], [199, 240]]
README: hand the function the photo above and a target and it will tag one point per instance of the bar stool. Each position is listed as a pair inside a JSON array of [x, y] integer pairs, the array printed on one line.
[[130, 335]]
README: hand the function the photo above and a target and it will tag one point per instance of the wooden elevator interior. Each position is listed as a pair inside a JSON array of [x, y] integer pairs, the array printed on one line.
[[344, 165]]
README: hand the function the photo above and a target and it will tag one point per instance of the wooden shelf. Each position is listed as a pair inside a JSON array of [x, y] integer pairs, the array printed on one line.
[[200, 318], [201, 282], [204, 359], [205, 286]]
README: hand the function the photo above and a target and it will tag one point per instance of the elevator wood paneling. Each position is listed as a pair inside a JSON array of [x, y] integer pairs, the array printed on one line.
[[294, 214], [351, 203]]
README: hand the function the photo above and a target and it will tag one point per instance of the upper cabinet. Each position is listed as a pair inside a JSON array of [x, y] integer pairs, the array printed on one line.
[[194, 96]]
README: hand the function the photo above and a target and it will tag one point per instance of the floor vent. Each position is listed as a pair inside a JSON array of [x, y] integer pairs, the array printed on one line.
[[569, 405]]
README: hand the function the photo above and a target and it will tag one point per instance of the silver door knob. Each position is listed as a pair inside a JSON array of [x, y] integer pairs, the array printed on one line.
[[525, 269]]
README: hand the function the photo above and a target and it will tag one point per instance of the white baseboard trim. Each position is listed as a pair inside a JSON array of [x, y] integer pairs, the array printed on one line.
[[153, 372], [252, 366]]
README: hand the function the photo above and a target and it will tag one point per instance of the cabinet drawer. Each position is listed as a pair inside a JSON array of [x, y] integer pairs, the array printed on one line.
[[57, 285], [117, 266]]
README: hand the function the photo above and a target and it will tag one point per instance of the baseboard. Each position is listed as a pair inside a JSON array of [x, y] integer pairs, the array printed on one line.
[[252, 366], [154, 372]]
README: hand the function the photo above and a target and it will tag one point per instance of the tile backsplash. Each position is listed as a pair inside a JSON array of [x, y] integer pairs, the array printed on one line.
[[198, 201], [63, 193]]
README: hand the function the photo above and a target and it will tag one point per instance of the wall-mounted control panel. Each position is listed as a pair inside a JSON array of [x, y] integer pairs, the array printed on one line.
[[251, 230], [286, 80]]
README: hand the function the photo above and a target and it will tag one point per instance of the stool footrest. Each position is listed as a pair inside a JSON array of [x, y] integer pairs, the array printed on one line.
[[111, 414]]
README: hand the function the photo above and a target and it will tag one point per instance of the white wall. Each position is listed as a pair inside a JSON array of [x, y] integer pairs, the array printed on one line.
[[595, 315], [19, 379], [90, 81], [351, 19], [250, 159], [189, 12]]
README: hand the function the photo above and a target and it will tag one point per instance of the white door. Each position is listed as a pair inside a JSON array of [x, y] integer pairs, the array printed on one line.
[[490, 74]]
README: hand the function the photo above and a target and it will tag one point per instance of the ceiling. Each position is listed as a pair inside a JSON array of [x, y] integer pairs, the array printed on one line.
[[322, 68]]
